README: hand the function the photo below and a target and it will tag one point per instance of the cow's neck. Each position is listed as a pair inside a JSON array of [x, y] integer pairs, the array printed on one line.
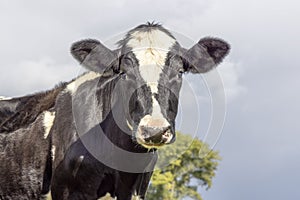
[[112, 146], [114, 124], [116, 129]]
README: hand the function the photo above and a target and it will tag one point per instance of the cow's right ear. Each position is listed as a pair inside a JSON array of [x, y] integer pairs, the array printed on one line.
[[93, 55], [205, 55]]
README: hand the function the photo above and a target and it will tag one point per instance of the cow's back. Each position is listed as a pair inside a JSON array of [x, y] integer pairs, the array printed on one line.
[[20, 112]]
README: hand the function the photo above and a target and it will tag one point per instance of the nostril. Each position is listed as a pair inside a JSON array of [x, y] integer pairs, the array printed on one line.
[[167, 136], [153, 139], [166, 130]]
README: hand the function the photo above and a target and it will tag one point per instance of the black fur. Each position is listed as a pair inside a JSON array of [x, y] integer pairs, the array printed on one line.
[[23, 158], [205, 55]]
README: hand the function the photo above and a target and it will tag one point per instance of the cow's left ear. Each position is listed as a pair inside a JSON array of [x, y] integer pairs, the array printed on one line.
[[205, 55], [93, 55]]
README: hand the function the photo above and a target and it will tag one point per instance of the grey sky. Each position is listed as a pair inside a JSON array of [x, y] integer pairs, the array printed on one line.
[[260, 143]]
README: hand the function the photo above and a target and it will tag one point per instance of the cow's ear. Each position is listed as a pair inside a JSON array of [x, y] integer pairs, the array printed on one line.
[[93, 55], [205, 55]]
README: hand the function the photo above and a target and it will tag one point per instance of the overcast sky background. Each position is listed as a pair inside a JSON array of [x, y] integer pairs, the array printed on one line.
[[260, 142]]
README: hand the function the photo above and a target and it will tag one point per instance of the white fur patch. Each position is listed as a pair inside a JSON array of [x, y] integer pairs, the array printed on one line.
[[53, 148], [156, 111], [48, 122], [73, 86], [107, 196], [47, 196], [129, 125], [136, 197], [77, 165], [156, 119], [5, 98], [151, 49]]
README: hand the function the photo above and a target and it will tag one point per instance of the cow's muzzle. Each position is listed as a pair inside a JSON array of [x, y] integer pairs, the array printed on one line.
[[153, 137]]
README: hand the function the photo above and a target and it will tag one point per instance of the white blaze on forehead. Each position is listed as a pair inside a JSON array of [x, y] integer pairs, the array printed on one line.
[[73, 86], [156, 111], [48, 122], [151, 49], [156, 119]]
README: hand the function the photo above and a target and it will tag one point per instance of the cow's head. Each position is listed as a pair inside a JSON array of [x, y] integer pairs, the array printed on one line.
[[150, 64]]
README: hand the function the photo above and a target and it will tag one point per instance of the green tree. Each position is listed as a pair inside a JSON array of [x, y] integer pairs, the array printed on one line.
[[182, 167]]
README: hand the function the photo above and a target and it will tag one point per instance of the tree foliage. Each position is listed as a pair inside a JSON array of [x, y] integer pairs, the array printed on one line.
[[182, 167]]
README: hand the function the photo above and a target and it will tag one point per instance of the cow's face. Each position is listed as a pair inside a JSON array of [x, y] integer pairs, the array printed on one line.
[[150, 64], [152, 73]]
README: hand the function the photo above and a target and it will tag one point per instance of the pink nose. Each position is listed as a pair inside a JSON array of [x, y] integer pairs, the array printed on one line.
[[157, 123]]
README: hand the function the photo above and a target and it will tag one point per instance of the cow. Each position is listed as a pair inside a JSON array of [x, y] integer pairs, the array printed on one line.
[[100, 132]]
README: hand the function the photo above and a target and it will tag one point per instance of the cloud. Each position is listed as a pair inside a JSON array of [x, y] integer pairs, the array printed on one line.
[[224, 79], [203, 98], [32, 76], [230, 73]]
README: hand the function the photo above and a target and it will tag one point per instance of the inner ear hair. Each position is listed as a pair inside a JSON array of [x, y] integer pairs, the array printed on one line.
[[81, 49], [93, 55]]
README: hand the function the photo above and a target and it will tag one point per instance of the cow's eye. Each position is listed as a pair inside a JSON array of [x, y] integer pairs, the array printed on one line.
[[180, 72], [123, 75], [128, 61]]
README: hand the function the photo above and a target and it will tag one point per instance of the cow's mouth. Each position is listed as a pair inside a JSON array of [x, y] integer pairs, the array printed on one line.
[[150, 144]]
